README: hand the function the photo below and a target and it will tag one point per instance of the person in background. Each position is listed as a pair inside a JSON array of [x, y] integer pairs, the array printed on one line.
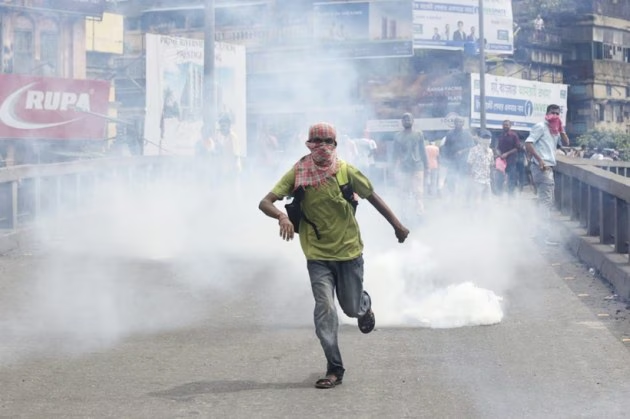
[[541, 144], [334, 253], [454, 156], [227, 147], [480, 161], [433, 157], [507, 149], [410, 161]]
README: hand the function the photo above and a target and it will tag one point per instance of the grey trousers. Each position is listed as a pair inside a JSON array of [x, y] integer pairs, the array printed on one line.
[[545, 185], [346, 278]]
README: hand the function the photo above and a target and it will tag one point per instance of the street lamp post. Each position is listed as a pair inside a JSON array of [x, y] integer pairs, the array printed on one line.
[[482, 70], [209, 99]]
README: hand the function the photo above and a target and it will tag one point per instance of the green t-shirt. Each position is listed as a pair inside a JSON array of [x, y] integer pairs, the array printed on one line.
[[326, 207]]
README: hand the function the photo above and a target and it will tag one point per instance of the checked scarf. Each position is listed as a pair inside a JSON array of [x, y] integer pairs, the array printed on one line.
[[316, 168]]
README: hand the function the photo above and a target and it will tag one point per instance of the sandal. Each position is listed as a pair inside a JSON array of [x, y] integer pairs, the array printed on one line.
[[367, 322], [330, 381]]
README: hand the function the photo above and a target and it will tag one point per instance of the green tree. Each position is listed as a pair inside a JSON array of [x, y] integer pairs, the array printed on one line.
[[602, 139]]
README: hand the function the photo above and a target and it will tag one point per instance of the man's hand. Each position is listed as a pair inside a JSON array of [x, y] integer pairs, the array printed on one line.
[[286, 228], [542, 165], [401, 233]]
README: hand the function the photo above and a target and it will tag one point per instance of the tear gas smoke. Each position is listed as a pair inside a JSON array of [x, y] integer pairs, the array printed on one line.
[[173, 252]]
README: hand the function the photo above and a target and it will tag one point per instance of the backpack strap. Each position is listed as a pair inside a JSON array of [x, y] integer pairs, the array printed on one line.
[[342, 174], [344, 184]]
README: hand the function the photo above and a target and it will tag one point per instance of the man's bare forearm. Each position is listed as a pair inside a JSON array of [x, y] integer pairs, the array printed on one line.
[[269, 209], [380, 205]]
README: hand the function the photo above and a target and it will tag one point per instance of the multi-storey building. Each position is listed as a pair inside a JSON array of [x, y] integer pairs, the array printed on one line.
[[582, 45], [597, 65], [46, 99]]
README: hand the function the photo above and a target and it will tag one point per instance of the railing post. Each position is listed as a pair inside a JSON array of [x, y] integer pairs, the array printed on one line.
[[607, 219], [566, 191], [593, 221], [621, 229], [584, 204], [13, 211], [576, 192]]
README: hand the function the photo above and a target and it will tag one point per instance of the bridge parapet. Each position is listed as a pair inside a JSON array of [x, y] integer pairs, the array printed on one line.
[[596, 195], [28, 191]]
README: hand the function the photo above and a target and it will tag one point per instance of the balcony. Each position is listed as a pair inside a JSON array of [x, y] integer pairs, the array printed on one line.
[[602, 71], [545, 39]]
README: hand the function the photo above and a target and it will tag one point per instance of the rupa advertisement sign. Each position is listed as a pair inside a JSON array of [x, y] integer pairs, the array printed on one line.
[[454, 24], [52, 108], [364, 29], [524, 102], [174, 79]]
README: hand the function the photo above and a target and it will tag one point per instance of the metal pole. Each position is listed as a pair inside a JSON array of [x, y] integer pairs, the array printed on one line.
[[209, 95], [482, 69]]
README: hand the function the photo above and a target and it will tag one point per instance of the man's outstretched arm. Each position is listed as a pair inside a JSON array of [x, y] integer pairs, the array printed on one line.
[[267, 206], [377, 202]]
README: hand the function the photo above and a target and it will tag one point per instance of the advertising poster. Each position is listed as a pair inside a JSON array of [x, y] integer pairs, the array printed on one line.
[[174, 79], [435, 100], [52, 108], [524, 102], [364, 29], [454, 24]]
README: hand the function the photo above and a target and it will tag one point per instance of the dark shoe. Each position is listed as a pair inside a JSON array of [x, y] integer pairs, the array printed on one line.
[[367, 322], [330, 381]]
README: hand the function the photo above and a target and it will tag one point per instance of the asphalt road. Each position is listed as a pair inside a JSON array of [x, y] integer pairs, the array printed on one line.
[[554, 355], [96, 324]]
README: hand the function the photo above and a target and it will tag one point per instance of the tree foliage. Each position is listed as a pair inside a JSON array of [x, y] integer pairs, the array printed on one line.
[[601, 139]]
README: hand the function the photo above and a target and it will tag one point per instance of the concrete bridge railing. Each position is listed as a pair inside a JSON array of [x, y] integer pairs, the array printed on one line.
[[28, 191], [595, 195]]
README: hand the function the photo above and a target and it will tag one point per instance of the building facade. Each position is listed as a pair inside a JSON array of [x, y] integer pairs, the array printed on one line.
[[290, 82], [43, 41], [597, 66]]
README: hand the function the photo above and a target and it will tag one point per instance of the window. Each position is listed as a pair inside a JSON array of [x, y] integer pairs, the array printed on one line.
[[49, 53], [601, 114], [23, 53], [598, 53], [608, 51]]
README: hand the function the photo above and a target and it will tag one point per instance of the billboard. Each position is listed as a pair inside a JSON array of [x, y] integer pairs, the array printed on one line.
[[52, 108], [435, 100], [454, 24], [364, 29], [524, 102], [174, 101]]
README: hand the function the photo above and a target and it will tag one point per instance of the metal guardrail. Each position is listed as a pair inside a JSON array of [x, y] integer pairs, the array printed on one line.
[[596, 193], [28, 191]]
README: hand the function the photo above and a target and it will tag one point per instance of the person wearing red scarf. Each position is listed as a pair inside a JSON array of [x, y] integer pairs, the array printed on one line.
[[334, 253]]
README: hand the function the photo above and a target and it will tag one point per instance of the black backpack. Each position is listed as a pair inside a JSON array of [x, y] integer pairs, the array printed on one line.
[[294, 208]]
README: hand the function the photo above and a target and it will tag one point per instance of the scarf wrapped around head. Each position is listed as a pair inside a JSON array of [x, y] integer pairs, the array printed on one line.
[[317, 168], [555, 124]]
